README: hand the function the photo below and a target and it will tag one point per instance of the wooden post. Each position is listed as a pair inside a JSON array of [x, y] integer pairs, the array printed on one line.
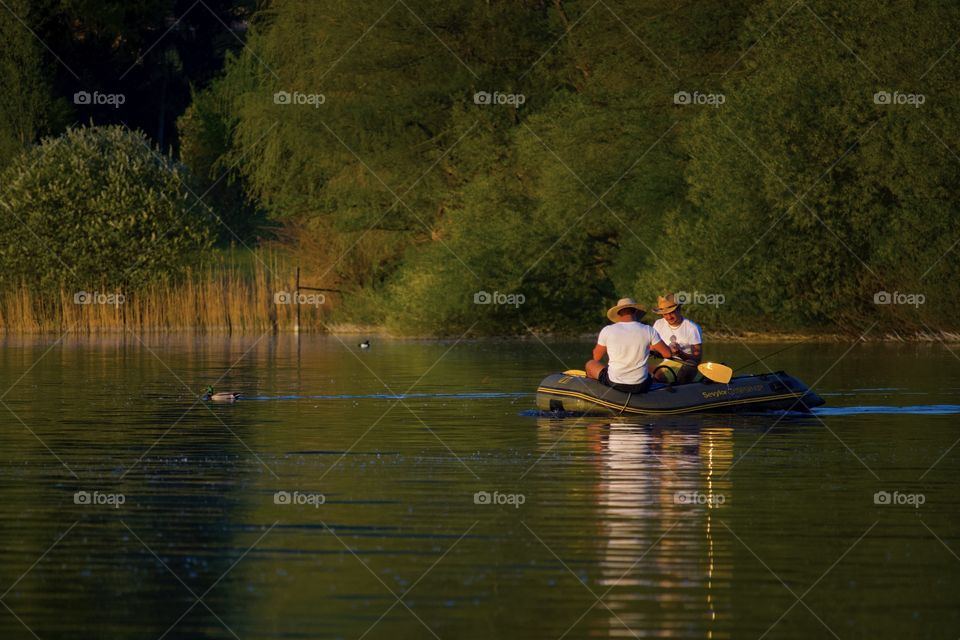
[[296, 301]]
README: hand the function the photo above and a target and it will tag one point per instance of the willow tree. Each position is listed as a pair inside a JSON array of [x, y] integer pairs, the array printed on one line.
[[97, 206]]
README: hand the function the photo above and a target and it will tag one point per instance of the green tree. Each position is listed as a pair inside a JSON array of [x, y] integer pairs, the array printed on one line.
[[807, 195], [490, 195], [386, 123], [27, 106], [206, 133], [97, 207], [566, 203]]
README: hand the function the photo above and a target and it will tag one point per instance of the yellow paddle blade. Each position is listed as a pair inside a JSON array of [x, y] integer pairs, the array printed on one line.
[[580, 373], [715, 371]]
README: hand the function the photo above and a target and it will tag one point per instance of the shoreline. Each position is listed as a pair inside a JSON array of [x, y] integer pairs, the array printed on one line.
[[352, 331]]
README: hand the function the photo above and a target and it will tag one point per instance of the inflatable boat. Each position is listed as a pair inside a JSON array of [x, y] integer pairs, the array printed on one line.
[[573, 392]]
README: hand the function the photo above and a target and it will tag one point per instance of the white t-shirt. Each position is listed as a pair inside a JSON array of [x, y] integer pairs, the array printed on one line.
[[687, 334], [628, 344]]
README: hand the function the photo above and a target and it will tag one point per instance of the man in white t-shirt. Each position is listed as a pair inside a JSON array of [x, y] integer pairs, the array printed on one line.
[[626, 343], [682, 335]]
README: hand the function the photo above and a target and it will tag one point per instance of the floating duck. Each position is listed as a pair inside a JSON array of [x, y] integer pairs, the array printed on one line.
[[364, 345], [220, 396]]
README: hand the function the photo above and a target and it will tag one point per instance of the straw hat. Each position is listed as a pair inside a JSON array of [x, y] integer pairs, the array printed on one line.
[[624, 303], [666, 304]]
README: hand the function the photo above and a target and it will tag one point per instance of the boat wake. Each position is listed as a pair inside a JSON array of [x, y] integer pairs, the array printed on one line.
[[395, 396], [922, 409]]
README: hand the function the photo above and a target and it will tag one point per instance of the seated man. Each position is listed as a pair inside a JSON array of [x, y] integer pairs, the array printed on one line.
[[683, 337], [626, 343]]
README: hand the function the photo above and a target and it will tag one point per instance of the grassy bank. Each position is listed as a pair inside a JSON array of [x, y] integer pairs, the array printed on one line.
[[237, 292], [227, 294]]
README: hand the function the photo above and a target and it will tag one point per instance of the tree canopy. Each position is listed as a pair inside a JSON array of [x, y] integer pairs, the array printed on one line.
[[97, 207], [787, 165]]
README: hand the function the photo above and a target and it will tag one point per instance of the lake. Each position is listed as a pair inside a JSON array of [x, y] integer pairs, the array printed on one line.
[[322, 506]]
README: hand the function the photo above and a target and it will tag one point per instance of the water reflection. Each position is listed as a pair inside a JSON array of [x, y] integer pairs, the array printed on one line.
[[660, 489], [199, 485]]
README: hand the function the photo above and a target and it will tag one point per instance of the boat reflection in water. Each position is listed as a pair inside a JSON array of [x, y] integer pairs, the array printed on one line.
[[662, 552]]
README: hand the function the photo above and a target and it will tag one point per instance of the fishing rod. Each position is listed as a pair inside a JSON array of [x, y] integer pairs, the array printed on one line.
[[761, 358]]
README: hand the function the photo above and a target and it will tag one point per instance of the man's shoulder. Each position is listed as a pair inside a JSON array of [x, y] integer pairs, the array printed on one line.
[[625, 328], [692, 324], [693, 329], [641, 328]]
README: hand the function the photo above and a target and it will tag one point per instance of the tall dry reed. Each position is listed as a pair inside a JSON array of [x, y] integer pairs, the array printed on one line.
[[224, 296]]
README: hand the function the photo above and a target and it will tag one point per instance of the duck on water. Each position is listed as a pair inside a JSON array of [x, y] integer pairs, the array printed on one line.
[[208, 394]]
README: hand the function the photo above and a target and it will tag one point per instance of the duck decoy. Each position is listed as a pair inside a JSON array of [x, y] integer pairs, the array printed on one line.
[[219, 396], [364, 345]]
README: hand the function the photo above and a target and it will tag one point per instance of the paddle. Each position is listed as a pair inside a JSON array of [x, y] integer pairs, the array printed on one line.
[[710, 370], [713, 371]]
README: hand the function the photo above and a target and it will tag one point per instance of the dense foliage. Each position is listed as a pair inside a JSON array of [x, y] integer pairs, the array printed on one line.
[[514, 164], [97, 207]]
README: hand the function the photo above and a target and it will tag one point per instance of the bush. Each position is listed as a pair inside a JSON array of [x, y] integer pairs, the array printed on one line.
[[97, 207]]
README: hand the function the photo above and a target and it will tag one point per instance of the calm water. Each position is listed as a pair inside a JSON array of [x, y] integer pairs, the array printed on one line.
[[693, 527]]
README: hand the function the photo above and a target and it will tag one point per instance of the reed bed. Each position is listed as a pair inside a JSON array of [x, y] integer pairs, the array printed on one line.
[[224, 296]]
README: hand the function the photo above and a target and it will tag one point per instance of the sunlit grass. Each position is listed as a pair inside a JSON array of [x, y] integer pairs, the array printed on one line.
[[234, 292]]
